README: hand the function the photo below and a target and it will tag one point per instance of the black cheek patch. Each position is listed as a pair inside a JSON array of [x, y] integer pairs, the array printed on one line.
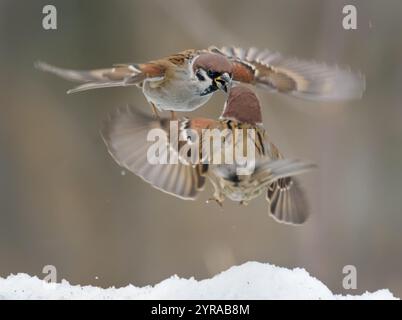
[[199, 76], [212, 88]]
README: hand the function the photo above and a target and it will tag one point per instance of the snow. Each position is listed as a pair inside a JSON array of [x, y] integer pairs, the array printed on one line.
[[252, 280]]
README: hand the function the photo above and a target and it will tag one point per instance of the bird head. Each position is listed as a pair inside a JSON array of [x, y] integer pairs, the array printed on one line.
[[242, 105], [215, 71]]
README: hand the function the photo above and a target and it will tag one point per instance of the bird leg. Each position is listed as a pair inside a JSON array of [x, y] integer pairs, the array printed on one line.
[[172, 115], [155, 111], [217, 196]]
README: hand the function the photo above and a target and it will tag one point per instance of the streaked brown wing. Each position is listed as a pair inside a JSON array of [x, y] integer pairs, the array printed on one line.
[[198, 124], [125, 134], [181, 57], [304, 79], [229, 132]]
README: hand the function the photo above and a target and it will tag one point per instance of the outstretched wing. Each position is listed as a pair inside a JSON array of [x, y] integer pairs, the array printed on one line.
[[125, 134], [304, 79], [118, 76]]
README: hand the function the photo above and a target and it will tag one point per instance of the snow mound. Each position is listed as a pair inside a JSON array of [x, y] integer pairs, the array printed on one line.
[[251, 280]]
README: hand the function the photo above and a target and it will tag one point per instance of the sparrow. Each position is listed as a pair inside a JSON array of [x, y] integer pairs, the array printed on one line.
[[125, 134], [186, 80]]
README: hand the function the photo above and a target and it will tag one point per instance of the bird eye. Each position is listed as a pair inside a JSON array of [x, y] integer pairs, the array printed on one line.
[[199, 76], [211, 74]]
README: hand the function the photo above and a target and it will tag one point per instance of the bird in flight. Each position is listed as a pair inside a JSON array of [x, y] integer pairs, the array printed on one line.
[[125, 134], [186, 80]]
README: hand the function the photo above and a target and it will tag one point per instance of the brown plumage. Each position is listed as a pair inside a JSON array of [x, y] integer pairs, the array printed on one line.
[[239, 97], [125, 135], [212, 61], [303, 79]]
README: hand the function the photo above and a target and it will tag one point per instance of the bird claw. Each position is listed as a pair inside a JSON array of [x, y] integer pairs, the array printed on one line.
[[219, 202]]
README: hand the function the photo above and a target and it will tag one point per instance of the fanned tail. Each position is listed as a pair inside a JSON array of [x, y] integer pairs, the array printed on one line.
[[287, 201]]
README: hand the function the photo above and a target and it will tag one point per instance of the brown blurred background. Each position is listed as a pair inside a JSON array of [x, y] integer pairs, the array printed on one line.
[[64, 202]]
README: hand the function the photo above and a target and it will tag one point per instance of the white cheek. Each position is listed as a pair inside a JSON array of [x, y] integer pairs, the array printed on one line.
[[205, 84], [198, 85]]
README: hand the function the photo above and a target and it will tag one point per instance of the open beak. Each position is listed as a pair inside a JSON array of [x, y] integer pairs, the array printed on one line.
[[223, 82]]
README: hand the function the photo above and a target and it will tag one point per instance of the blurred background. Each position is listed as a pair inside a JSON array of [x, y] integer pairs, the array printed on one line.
[[65, 202]]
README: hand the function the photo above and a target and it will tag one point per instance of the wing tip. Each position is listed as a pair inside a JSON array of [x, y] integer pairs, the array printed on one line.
[[41, 65], [289, 205]]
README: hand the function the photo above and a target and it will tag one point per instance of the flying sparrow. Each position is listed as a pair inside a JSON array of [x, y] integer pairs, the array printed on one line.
[[186, 80], [125, 134]]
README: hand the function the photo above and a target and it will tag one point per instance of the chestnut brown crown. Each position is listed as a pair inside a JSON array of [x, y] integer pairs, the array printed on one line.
[[214, 62], [242, 105]]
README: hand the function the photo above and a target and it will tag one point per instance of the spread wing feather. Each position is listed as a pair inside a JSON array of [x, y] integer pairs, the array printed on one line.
[[125, 134], [303, 79]]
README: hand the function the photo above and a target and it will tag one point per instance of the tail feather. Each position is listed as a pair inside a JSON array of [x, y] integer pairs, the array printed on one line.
[[287, 202]]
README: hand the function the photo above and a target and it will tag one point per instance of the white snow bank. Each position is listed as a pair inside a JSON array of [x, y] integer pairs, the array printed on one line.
[[251, 280]]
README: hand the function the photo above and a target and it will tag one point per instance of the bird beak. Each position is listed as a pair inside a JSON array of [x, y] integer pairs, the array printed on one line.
[[223, 82]]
